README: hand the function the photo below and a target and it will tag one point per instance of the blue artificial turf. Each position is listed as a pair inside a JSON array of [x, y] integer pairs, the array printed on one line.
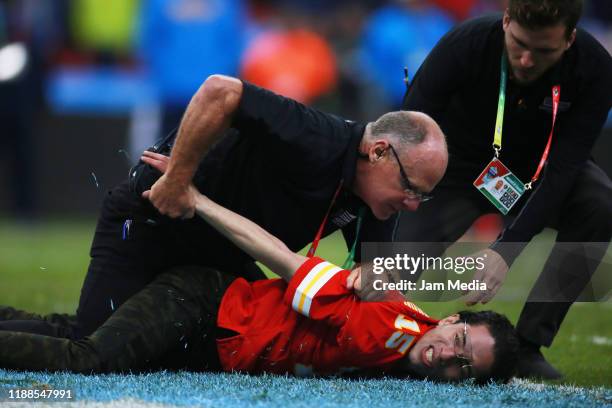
[[236, 390]]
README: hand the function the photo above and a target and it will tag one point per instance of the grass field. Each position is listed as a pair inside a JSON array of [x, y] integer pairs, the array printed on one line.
[[42, 268], [235, 390]]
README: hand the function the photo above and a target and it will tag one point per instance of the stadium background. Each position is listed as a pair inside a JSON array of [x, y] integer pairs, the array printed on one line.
[[85, 85]]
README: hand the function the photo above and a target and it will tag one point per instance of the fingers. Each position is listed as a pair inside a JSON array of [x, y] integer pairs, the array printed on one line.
[[160, 164], [493, 283], [478, 295], [350, 280], [154, 155], [353, 281], [474, 298], [170, 199], [182, 209], [483, 297], [478, 275], [357, 283], [489, 295]]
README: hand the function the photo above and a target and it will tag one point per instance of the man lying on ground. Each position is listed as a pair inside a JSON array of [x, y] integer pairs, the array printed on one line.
[[309, 322]]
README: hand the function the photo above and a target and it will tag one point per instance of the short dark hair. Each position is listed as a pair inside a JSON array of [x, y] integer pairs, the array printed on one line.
[[535, 14], [505, 351]]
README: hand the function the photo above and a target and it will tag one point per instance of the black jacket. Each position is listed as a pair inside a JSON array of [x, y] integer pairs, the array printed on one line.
[[278, 165], [458, 86]]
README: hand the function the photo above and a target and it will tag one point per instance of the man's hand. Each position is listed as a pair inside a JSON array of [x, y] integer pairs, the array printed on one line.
[[353, 281], [493, 275], [170, 198], [369, 294]]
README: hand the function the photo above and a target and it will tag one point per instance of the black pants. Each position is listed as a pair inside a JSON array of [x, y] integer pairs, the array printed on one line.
[[124, 261], [586, 216], [170, 324]]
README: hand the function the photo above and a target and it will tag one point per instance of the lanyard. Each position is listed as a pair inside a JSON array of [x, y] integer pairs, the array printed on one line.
[[317, 238], [501, 103], [348, 263], [499, 120], [556, 95]]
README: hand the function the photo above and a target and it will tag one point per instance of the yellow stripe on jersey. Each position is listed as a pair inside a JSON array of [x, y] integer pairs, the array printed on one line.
[[311, 284], [313, 281]]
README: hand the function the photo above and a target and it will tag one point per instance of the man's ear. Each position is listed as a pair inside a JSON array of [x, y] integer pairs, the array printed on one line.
[[506, 20], [452, 319], [378, 148], [571, 40]]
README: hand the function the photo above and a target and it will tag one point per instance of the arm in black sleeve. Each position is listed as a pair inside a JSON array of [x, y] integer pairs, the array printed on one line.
[[573, 140]]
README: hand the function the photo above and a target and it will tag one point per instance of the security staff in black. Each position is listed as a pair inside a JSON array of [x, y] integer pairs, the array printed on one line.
[[550, 69], [275, 161]]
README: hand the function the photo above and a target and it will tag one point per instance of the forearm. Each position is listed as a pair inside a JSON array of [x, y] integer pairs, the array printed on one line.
[[250, 237], [207, 116]]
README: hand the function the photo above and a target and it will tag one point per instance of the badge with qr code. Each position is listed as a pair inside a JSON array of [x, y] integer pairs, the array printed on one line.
[[500, 186]]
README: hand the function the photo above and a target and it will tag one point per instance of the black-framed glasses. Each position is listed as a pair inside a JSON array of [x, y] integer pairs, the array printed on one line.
[[463, 353], [410, 191]]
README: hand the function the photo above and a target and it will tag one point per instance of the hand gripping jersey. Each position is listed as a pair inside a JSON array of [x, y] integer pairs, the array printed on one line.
[[314, 325]]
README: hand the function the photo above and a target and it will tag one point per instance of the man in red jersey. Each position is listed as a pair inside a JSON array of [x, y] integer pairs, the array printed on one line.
[[315, 324], [310, 322]]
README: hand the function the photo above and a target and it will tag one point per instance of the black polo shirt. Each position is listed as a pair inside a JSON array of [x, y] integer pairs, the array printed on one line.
[[458, 85], [279, 165]]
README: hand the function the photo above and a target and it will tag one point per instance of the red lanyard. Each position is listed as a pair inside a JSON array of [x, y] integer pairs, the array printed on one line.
[[556, 96], [497, 135], [349, 262], [317, 238]]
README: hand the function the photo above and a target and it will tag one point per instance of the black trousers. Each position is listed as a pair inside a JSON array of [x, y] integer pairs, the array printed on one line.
[[124, 260], [170, 324], [585, 216]]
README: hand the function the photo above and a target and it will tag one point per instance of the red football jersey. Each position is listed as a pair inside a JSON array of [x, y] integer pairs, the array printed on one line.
[[314, 325]]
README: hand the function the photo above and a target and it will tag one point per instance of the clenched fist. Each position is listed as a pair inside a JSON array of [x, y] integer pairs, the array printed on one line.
[[170, 198]]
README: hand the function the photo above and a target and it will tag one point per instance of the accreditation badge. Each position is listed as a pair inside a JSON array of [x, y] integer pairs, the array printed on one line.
[[500, 186]]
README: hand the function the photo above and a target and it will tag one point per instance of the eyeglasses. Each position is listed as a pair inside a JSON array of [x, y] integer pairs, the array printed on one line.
[[463, 352], [410, 191]]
